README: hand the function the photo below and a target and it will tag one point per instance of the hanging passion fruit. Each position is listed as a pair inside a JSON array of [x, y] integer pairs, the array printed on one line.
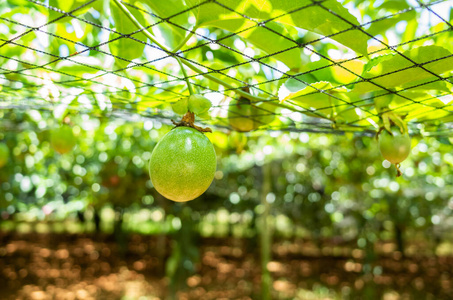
[[394, 147], [4, 154], [241, 115], [62, 139], [183, 164]]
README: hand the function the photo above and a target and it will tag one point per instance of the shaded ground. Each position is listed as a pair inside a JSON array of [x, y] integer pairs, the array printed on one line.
[[52, 266]]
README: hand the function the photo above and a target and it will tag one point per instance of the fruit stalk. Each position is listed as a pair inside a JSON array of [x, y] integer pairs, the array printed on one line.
[[189, 85], [188, 120]]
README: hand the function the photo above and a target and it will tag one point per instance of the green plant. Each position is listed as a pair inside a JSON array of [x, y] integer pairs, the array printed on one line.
[[183, 164]]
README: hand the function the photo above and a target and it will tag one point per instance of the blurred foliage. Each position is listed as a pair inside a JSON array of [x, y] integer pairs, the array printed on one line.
[[322, 185]]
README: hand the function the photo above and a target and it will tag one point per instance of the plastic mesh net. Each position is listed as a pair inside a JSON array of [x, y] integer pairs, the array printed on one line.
[[57, 56]]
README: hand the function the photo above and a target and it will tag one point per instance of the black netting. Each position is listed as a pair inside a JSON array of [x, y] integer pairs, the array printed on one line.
[[23, 80]]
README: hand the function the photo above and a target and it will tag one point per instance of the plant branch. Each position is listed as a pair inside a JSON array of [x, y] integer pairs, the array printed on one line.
[[184, 41], [137, 23]]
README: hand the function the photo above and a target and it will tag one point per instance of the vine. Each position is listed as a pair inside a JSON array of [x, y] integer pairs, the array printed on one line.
[[242, 93]]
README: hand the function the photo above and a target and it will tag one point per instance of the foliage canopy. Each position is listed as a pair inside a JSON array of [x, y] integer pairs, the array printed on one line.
[[316, 65]]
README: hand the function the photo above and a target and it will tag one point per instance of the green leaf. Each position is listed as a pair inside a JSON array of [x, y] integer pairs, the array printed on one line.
[[390, 73], [271, 41], [300, 82], [125, 47], [217, 65], [381, 102], [383, 25], [265, 113], [181, 106], [419, 105], [64, 5], [429, 84], [312, 88], [204, 116], [394, 5], [326, 18], [297, 83], [83, 66], [391, 7], [331, 20], [376, 61], [410, 30], [164, 9], [70, 5], [322, 103]]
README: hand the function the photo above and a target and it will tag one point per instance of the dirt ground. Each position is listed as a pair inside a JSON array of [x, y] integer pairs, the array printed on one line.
[[63, 266]]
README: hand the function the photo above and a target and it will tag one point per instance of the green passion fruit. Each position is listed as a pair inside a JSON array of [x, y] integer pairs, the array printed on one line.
[[240, 115], [183, 164], [394, 147], [4, 154], [62, 139]]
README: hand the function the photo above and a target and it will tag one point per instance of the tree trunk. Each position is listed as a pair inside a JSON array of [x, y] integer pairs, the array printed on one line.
[[265, 234], [97, 221], [119, 233], [399, 236]]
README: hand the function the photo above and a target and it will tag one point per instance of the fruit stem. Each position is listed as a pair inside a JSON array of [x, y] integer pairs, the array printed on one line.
[[137, 23], [153, 39], [196, 69], [228, 86], [189, 85], [398, 171], [188, 120]]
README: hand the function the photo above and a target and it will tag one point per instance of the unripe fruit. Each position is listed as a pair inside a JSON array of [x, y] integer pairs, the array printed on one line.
[[4, 154], [183, 164], [241, 115], [394, 148], [62, 139], [194, 103]]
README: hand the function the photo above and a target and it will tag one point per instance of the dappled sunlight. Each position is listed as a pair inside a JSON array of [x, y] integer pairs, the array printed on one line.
[[70, 267]]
